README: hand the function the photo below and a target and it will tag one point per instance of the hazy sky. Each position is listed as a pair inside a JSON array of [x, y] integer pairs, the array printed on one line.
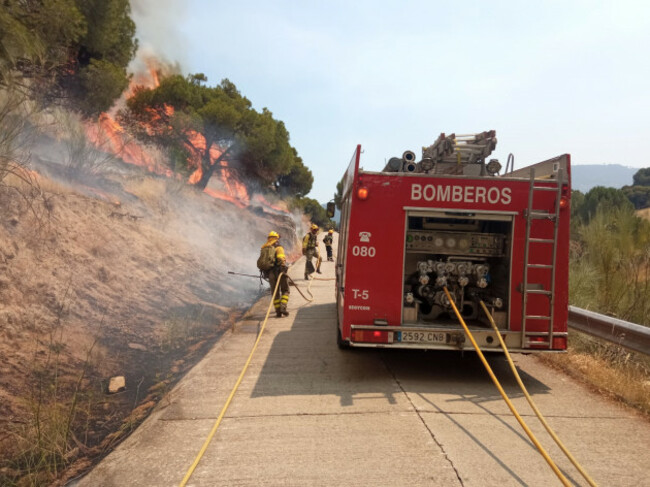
[[550, 77]]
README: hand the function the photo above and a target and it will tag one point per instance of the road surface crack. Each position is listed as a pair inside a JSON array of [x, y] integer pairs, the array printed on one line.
[[433, 436]]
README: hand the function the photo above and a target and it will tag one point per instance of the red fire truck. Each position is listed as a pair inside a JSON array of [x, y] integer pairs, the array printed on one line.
[[451, 220]]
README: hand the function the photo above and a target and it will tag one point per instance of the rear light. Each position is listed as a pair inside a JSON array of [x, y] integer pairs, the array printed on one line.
[[564, 198], [372, 336], [537, 342], [559, 343], [564, 202], [362, 193]]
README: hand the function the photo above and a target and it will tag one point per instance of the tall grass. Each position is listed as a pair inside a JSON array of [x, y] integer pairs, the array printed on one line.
[[84, 157], [60, 409], [610, 266], [15, 139], [610, 274], [45, 441], [607, 368]]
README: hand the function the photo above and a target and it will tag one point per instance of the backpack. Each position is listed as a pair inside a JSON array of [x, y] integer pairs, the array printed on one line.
[[266, 260]]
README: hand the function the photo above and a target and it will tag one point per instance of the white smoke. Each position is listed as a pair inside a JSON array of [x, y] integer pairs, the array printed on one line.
[[157, 29]]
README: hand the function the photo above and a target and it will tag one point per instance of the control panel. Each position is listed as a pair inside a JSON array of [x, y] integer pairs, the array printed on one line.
[[456, 243]]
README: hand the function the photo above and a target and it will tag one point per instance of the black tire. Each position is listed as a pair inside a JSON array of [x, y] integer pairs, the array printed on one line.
[[342, 344]]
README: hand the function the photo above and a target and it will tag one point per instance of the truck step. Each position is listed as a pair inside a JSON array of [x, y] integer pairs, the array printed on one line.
[[540, 215], [538, 291]]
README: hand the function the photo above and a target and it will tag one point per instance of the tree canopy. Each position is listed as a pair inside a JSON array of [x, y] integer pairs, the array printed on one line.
[[205, 127], [639, 192], [599, 198], [75, 51], [338, 196], [639, 196], [642, 177], [316, 212], [298, 181]]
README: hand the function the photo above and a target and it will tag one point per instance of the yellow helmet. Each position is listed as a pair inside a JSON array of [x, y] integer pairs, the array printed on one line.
[[273, 234], [314, 226], [331, 231]]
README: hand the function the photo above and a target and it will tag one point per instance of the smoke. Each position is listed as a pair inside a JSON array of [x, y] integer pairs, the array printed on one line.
[[157, 30], [219, 236]]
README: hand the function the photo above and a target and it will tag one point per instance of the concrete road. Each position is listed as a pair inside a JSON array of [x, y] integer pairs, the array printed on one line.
[[309, 414]]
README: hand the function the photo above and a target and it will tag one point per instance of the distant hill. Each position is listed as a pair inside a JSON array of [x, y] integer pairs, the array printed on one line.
[[584, 177]]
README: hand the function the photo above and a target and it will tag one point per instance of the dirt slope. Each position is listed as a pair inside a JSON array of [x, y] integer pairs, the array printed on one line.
[[125, 275]]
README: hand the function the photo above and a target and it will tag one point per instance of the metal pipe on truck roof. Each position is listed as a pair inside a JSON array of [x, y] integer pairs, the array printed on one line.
[[394, 165]]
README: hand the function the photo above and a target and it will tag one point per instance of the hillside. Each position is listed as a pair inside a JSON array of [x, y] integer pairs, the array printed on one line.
[[124, 274]]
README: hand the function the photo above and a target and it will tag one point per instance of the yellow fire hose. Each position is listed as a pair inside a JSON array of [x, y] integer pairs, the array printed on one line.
[[232, 393], [530, 434], [190, 471], [300, 292], [532, 404], [318, 262], [543, 452]]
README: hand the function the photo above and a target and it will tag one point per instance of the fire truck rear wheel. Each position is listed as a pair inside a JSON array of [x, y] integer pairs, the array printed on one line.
[[343, 344]]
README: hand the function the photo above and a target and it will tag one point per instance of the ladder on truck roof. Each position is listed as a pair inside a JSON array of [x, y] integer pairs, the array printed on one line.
[[533, 215]]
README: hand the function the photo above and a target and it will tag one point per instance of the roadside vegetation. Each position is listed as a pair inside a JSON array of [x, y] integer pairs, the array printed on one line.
[[610, 274], [102, 276], [73, 54]]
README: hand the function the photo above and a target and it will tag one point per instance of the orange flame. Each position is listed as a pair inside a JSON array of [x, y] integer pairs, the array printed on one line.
[[109, 136], [280, 207], [144, 79]]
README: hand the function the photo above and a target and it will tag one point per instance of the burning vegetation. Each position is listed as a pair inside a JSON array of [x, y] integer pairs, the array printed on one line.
[[168, 137], [91, 289], [111, 263], [214, 129]]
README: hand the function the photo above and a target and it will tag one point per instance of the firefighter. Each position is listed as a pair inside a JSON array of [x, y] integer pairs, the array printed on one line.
[[310, 250], [281, 298], [327, 240]]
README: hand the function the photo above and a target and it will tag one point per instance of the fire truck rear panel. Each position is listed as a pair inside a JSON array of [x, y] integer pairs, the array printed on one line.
[[414, 234]]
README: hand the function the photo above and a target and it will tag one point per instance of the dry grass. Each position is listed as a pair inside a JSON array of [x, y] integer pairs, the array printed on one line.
[[644, 213], [28, 181], [72, 263], [610, 273], [159, 194], [607, 368], [146, 188]]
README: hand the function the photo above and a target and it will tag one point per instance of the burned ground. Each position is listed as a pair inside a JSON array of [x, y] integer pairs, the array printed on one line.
[[123, 278]]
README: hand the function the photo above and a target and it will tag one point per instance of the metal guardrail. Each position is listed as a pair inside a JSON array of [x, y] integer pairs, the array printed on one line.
[[629, 335]]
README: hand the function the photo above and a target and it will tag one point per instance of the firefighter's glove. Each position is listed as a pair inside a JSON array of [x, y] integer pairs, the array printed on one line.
[[304, 251]]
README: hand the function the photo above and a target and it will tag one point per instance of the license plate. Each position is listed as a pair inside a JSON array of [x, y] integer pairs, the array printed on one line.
[[423, 337]]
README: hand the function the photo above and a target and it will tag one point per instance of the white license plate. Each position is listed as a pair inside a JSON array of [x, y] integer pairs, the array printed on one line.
[[423, 337]]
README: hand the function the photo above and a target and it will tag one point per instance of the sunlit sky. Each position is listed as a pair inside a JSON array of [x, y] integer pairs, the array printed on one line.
[[550, 77]]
